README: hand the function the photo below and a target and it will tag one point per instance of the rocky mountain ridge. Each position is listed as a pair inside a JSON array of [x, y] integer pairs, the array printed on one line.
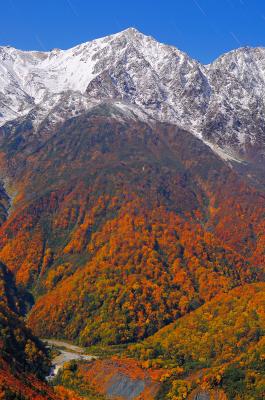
[[222, 103]]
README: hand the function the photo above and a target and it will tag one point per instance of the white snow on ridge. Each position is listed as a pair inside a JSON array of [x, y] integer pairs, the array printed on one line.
[[223, 154], [222, 103]]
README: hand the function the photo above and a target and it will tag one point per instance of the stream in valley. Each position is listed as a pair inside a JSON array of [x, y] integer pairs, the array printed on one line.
[[68, 352]]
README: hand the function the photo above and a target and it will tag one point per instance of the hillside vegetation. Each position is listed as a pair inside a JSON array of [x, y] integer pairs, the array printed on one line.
[[119, 228], [224, 339]]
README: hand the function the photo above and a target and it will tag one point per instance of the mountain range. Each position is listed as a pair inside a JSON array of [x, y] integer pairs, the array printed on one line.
[[132, 203], [222, 102]]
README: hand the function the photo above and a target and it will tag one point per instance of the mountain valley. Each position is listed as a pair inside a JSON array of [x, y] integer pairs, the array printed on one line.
[[132, 211]]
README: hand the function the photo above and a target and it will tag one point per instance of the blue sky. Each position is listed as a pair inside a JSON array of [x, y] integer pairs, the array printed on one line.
[[203, 28]]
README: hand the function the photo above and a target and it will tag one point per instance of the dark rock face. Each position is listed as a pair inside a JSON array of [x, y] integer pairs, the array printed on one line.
[[4, 204]]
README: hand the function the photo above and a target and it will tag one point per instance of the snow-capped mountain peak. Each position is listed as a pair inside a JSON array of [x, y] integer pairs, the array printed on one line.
[[222, 103]]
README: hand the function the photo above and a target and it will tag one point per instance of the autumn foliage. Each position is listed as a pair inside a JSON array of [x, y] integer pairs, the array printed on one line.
[[224, 339], [24, 361], [119, 229]]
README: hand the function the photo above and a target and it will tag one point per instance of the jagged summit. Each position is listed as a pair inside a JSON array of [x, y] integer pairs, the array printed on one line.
[[222, 103], [131, 31]]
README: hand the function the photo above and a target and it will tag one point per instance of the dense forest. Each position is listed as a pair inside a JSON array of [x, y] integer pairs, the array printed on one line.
[[24, 361], [126, 233], [224, 338]]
